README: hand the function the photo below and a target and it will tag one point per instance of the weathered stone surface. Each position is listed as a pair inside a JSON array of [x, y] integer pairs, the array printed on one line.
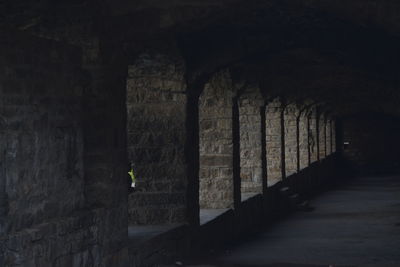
[[156, 103], [274, 142], [313, 135], [334, 136], [290, 117], [328, 137], [303, 140], [105, 157], [42, 104], [216, 144], [322, 136], [42, 127], [250, 141]]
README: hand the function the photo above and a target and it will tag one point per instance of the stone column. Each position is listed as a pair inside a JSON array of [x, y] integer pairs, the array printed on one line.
[[333, 136], [290, 118], [216, 143], [322, 136], [328, 137], [105, 158], [264, 164], [302, 121], [3, 193], [192, 148], [250, 141], [105, 144], [275, 162], [236, 146], [312, 121]]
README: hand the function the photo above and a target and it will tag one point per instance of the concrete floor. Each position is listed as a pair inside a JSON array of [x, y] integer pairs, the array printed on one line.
[[357, 225], [207, 215], [138, 234]]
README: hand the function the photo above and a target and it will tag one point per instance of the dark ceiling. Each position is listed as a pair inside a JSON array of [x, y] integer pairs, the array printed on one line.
[[344, 53]]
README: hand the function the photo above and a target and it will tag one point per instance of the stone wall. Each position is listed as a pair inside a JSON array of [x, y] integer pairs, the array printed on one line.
[[42, 135], [250, 141], [3, 194], [328, 137], [156, 106], [105, 149], [216, 147], [322, 136], [42, 104], [334, 136], [274, 142], [303, 140], [290, 117], [313, 135]]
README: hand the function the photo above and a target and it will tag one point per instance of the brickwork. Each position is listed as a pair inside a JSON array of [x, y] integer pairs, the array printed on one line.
[[216, 148], [334, 136], [313, 135], [303, 140], [44, 154], [290, 117], [328, 137], [41, 92], [156, 104], [274, 142], [89, 88], [3, 194], [250, 141], [105, 150], [322, 136]]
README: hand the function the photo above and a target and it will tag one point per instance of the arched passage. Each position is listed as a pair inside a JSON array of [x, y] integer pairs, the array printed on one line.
[[313, 140], [251, 173], [291, 112], [156, 107], [216, 190], [274, 140], [3, 193]]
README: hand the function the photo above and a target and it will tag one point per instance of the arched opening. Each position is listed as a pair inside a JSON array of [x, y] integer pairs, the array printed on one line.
[[216, 185], [274, 142], [251, 157], [156, 107], [290, 129]]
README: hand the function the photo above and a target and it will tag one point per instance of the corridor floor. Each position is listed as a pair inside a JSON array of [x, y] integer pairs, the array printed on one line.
[[356, 225]]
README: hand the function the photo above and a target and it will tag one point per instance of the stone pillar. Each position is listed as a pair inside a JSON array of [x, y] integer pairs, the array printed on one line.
[[264, 170], [333, 139], [250, 141], [65, 147], [236, 146], [328, 137], [192, 148], [302, 121], [105, 157], [322, 136], [156, 108], [275, 161], [3, 193], [216, 145], [313, 136], [290, 118]]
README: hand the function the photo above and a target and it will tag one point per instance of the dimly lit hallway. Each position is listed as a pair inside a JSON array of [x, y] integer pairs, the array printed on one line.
[[357, 225], [140, 133]]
